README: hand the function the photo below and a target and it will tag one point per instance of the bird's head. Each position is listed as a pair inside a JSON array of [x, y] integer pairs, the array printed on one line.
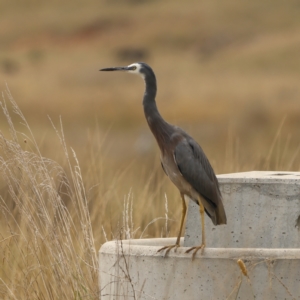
[[139, 68]]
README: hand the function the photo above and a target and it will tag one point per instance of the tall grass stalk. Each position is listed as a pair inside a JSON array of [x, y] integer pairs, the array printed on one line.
[[47, 244]]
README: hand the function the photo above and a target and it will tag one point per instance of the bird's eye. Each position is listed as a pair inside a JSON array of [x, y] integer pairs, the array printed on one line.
[[133, 68]]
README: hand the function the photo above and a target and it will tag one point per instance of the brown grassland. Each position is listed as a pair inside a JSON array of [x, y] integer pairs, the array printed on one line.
[[85, 165]]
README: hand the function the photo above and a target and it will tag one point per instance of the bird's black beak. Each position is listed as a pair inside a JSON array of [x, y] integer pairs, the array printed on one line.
[[117, 69]]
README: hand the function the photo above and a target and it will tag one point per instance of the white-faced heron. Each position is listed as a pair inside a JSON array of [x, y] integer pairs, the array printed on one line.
[[182, 159]]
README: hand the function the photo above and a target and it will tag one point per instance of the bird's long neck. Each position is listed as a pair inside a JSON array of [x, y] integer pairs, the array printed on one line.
[[159, 127]]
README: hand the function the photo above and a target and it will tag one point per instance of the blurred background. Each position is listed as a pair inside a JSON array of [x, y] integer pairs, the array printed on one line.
[[228, 72]]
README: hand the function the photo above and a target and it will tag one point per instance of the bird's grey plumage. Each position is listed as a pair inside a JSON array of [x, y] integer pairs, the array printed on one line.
[[197, 171], [182, 159], [191, 161]]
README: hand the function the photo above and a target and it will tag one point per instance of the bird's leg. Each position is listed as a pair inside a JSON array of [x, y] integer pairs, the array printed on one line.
[[183, 213], [177, 244], [202, 246]]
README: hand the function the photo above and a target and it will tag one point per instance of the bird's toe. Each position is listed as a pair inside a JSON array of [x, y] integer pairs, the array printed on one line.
[[168, 249], [195, 249]]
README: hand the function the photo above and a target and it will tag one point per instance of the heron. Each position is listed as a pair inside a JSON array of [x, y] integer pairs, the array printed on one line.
[[182, 159]]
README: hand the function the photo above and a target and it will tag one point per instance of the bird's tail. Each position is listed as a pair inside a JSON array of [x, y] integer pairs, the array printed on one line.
[[215, 210], [220, 215]]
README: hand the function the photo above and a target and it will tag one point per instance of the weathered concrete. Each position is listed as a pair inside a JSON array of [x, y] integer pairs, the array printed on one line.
[[133, 269], [263, 228], [263, 211]]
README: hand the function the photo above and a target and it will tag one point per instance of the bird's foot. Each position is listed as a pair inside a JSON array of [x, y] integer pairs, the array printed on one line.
[[168, 249], [196, 249]]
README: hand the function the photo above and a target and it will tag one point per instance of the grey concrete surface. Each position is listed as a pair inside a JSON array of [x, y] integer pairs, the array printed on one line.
[[262, 208], [263, 230], [133, 269]]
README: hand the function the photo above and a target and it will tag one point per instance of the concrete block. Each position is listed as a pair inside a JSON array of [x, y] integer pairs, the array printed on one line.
[[263, 231], [133, 269], [263, 211]]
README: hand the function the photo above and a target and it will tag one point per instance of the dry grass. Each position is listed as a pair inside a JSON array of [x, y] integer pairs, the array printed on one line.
[[47, 241]]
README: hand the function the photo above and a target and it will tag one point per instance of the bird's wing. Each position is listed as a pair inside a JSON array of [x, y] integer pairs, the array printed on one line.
[[196, 169]]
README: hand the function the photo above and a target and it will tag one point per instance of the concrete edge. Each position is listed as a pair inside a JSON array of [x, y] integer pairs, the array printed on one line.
[[149, 247], [257, 177]]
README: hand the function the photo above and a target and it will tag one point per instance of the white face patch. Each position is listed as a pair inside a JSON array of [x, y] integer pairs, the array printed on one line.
[[137, 70]]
